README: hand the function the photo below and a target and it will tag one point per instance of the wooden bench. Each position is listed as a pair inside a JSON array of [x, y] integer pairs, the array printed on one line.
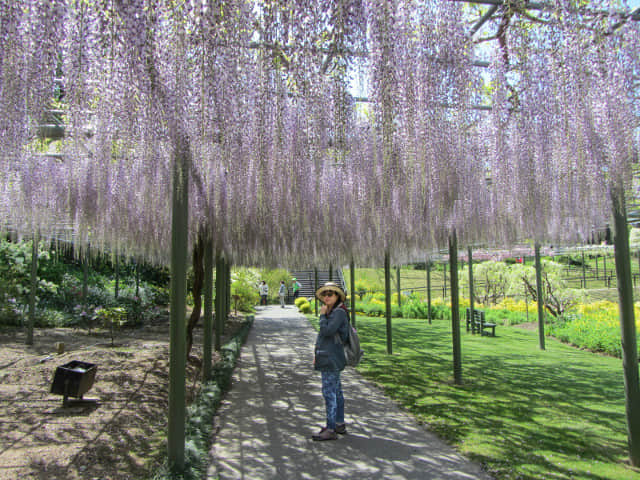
[[478, 324]]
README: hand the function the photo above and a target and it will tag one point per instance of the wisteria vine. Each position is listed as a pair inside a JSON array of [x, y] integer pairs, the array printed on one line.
[[288, 166]]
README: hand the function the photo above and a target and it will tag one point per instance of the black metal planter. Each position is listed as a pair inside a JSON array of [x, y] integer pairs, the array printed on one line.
[[73, 379]]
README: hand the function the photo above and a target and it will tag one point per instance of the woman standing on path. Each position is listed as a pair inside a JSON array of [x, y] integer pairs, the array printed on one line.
[[329, 357]]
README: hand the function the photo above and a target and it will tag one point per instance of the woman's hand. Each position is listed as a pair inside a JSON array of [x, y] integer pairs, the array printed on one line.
[[323, 309]]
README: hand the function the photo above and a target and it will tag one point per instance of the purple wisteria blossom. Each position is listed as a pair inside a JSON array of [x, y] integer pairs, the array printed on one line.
[[287, 167]]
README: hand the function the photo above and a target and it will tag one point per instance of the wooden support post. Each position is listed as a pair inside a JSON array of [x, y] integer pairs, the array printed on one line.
[[315, 282], [352, 274], [540, 297], [455, 308], [387, 300], [471, 293], [178, 307], [33, 289], [85, 276], [227, 291], [627, 327], [218, 303], [584, 272], [398, 285], [444, 285], [137, 264], [208, 309], [428, 267], [116, 292]]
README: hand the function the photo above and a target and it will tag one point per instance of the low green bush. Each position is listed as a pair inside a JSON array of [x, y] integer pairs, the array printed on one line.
[[304, 307], [243, 286], [371, 309], [300, 300], [414, 308], [507, 317]]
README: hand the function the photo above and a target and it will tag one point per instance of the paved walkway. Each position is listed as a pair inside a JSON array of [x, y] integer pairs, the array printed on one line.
[[275, 404]]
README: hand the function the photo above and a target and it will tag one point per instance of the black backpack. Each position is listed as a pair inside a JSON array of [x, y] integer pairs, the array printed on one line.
[[352, 350]]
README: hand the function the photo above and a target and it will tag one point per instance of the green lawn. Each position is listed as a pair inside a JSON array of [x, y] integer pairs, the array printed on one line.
[[523, 412]]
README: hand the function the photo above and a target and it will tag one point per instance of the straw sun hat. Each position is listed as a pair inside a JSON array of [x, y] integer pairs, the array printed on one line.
[[333, 287]]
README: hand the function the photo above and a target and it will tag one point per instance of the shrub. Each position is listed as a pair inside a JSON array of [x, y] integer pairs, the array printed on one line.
[[11, 312], [414, 308], [111, 318], [244, 281], [304, 307], [373, 309], [439, 310], [300, 300], [506, 317]]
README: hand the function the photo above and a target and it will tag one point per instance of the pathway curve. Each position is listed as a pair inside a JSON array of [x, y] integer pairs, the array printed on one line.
[[275, 405]]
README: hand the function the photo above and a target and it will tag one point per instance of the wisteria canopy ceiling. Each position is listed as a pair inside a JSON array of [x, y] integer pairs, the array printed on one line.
[[289, 164]]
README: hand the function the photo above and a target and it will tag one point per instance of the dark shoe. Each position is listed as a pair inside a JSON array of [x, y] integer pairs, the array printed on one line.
[[325, 434], [341, 428]]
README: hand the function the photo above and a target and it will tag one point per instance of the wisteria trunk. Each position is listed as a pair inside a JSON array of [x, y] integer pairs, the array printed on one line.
[[199, 249]]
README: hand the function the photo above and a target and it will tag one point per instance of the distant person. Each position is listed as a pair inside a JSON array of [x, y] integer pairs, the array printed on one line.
[[296, 288], [264, 291], [329, 357], [282, 291]]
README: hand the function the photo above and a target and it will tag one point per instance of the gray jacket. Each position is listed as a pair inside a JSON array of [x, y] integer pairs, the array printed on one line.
[[329, 352]]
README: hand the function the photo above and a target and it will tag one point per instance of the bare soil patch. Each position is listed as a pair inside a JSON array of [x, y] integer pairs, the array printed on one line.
[[121, 436]]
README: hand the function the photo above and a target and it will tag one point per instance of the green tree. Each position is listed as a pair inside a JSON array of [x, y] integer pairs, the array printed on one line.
[[244, 285], [558, 298], [491, 281]]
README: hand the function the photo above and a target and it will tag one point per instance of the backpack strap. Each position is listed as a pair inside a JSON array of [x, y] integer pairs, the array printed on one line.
[[346, 310]]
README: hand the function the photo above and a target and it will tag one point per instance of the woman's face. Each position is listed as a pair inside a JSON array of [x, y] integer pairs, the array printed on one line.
[[329, 298]]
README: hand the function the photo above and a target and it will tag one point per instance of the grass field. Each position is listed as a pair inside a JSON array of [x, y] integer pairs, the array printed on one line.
[[525, 413]]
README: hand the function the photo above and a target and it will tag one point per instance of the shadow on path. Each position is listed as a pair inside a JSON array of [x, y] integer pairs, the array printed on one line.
[[275, 404]]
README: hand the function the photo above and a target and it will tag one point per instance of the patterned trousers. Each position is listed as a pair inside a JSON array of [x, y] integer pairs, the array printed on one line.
[[333, 398]]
